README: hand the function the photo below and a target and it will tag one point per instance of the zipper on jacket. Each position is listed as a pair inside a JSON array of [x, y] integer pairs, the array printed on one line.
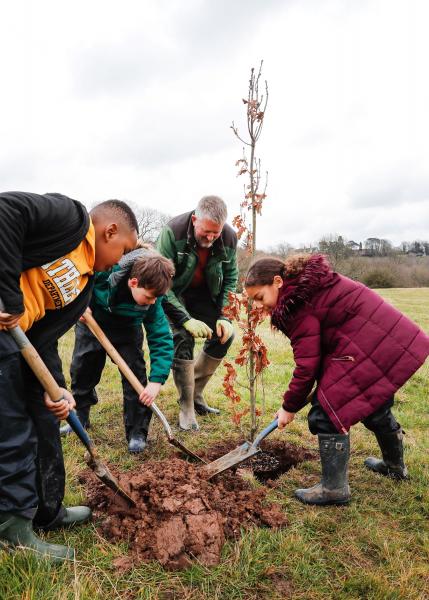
[[344, 358], [343, 429]]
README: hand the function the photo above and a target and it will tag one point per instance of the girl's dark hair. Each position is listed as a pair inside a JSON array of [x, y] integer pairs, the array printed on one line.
[[153, 272], [263, 270]]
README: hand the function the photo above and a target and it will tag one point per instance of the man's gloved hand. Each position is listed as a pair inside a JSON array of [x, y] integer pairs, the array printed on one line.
[[198, 329], [224, 330]]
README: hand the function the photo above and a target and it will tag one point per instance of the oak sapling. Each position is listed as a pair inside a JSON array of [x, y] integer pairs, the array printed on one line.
[[253, 352]]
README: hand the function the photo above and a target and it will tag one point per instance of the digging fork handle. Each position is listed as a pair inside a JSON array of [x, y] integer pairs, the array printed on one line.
[[95, 328]]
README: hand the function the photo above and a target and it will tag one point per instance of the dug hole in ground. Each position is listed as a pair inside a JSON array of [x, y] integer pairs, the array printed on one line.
[[182, 517]]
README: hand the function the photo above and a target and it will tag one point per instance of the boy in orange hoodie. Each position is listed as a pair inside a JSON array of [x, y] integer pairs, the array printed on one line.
[[49, 249]]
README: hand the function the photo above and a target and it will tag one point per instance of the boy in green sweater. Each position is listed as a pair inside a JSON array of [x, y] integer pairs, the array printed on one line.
[[124, 299]]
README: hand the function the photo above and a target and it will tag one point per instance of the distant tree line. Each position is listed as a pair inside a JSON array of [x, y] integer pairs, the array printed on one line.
[[338, 247], [374, 261]]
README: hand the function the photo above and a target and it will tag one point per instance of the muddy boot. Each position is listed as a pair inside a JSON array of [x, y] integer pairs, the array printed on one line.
[[137, 443], [16, 531], [183, 375], [83, 415], [204, 367], [137, 421], [333, 488], [392, 450]]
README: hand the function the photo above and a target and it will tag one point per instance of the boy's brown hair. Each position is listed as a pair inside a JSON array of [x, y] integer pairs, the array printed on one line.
[[153, 272]]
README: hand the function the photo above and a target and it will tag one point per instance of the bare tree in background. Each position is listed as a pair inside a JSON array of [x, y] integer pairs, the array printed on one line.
[[150, 221]]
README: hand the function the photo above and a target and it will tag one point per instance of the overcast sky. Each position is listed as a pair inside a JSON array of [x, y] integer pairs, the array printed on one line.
[[134, 100]]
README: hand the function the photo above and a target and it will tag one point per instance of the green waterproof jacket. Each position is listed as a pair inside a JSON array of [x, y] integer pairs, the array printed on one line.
[[177, 242], [112, 304]]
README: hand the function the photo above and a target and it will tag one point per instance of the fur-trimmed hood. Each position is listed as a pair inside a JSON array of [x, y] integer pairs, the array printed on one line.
[[299, 288]]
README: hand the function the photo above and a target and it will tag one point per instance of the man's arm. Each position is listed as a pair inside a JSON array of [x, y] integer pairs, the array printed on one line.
[[174, 309], [230, 278]]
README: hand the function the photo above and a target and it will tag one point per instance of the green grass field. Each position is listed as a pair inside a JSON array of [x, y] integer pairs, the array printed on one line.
[[376, 548]]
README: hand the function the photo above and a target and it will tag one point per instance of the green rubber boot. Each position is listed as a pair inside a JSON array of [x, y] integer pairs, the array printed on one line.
[[68, 517], [333, 488], [18, 532], [183, 375], [204, 368]]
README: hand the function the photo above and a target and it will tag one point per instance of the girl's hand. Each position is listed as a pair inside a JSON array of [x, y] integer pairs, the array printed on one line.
[[284, 418]]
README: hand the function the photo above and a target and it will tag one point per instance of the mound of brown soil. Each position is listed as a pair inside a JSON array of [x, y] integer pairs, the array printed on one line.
[[180, 516]]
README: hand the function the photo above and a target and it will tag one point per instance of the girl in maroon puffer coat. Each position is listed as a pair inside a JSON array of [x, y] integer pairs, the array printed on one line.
[[357, 349]]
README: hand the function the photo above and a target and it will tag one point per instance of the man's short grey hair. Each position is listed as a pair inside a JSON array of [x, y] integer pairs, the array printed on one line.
[[213, 208]]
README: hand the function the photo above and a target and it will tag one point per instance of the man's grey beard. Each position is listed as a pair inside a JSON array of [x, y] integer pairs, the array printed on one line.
[[203, 244]]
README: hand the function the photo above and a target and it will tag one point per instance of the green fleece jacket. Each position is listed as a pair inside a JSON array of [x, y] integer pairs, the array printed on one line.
[[177, 242], [113, 305]]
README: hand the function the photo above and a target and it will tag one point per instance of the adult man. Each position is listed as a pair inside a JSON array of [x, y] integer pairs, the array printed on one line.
[[203, 249], [49, 249]]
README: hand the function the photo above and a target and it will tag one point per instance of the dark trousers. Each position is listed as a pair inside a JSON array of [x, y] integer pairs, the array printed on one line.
[[380, 421], [32, 477], [199, 305], [89, 359], [18, 442]]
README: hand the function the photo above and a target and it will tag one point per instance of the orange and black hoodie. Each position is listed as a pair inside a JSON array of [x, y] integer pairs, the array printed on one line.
[[47, 253]]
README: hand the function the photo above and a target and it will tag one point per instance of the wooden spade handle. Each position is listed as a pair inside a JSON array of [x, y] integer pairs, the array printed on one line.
[[96, 330], [36, 364]]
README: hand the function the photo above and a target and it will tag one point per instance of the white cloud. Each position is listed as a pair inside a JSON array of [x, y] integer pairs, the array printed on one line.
[[135, 101]]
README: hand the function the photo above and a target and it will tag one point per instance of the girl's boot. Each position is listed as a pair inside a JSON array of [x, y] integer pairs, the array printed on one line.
[[333, 488], [392, 450]]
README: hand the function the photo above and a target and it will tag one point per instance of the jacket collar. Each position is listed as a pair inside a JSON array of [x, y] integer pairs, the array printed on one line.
[[299, 289]]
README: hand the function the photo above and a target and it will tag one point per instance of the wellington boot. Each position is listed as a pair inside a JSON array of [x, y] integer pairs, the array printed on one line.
[[204, 367], [137, 443], [183, 375], [392, 449], [333, 488], [16, 531]]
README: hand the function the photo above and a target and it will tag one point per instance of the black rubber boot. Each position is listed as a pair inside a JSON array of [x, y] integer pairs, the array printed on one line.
[[137, 442], [16, 531], [333, 488], [392, 450], [83, 415]]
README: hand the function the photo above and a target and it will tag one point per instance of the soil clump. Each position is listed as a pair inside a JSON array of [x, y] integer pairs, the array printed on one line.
[[180, 516]]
